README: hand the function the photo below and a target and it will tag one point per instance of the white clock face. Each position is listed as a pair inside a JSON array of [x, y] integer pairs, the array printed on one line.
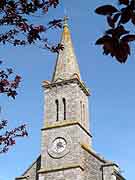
[[59, 145]]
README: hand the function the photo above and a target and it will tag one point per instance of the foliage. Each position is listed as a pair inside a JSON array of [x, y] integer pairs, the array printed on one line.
[[8, 87], [16, 29], [116, 39], [16, 15]]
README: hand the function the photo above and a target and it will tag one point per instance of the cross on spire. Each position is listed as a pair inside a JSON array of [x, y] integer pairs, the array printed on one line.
[[65, 21]]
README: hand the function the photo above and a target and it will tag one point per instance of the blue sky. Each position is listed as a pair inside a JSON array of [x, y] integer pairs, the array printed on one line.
[[112, 87]]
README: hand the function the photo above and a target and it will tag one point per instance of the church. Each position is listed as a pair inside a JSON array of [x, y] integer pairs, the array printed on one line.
[[66, 141]]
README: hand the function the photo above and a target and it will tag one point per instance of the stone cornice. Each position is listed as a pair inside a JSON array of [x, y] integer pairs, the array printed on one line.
[[110, 164], [118, 175], [22, 178], [66, 167], [48, 85], [63, 124]]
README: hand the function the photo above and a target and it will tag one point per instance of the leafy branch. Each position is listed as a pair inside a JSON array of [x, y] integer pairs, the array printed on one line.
[[116, 40]]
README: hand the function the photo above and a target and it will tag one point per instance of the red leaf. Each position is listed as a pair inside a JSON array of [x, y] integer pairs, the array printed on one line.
[[125, 2], [106, 10], [126, 15], [110, 21], [132, 4], [108, 48], [133, 19], [116, 17], [103, 40], [125, 47], [109, 31], [122, 52], [119, 31], [128, 38], [121, 57]]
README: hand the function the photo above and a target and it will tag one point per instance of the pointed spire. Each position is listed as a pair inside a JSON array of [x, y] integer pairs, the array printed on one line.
[[66, 66]]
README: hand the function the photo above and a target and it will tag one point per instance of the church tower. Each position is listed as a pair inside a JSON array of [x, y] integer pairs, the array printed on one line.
[[66, 122], [66, 141]]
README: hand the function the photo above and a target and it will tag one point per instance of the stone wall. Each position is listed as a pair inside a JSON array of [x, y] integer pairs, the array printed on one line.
[[92, 167], [74, 135], [76, 104], [69, 174], [109, 172]]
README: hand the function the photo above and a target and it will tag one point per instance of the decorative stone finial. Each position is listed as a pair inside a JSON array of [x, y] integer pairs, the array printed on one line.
[[65, 21]]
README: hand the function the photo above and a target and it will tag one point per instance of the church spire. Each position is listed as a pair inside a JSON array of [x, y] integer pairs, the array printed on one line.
[[66, 66]]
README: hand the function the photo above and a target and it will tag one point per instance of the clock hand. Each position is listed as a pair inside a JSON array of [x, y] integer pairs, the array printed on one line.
[[60, 145]]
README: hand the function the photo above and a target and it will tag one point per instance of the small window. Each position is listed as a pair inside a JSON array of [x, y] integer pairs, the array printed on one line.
[[64, 108], [84, 113], [57, 109], [81, 111]]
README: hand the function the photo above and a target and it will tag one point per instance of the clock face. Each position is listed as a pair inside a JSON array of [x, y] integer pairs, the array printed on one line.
[[59, 145]]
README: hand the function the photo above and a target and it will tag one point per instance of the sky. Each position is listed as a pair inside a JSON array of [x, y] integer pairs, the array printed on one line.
[[112, 100]]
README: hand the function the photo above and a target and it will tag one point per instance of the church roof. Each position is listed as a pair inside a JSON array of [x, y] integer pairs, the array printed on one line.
[[66, 65]]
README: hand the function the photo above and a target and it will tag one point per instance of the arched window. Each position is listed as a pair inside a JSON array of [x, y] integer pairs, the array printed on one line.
[[57, 109], [81, 111], [64, 108], [84, 113]]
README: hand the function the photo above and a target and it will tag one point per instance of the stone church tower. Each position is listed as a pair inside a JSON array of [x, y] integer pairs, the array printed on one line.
[[66, 144]]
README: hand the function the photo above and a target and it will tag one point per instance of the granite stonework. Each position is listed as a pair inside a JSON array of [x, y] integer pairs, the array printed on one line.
[[79, 161], [97, 168], [76, 103], [66, 121], [90, 166]]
